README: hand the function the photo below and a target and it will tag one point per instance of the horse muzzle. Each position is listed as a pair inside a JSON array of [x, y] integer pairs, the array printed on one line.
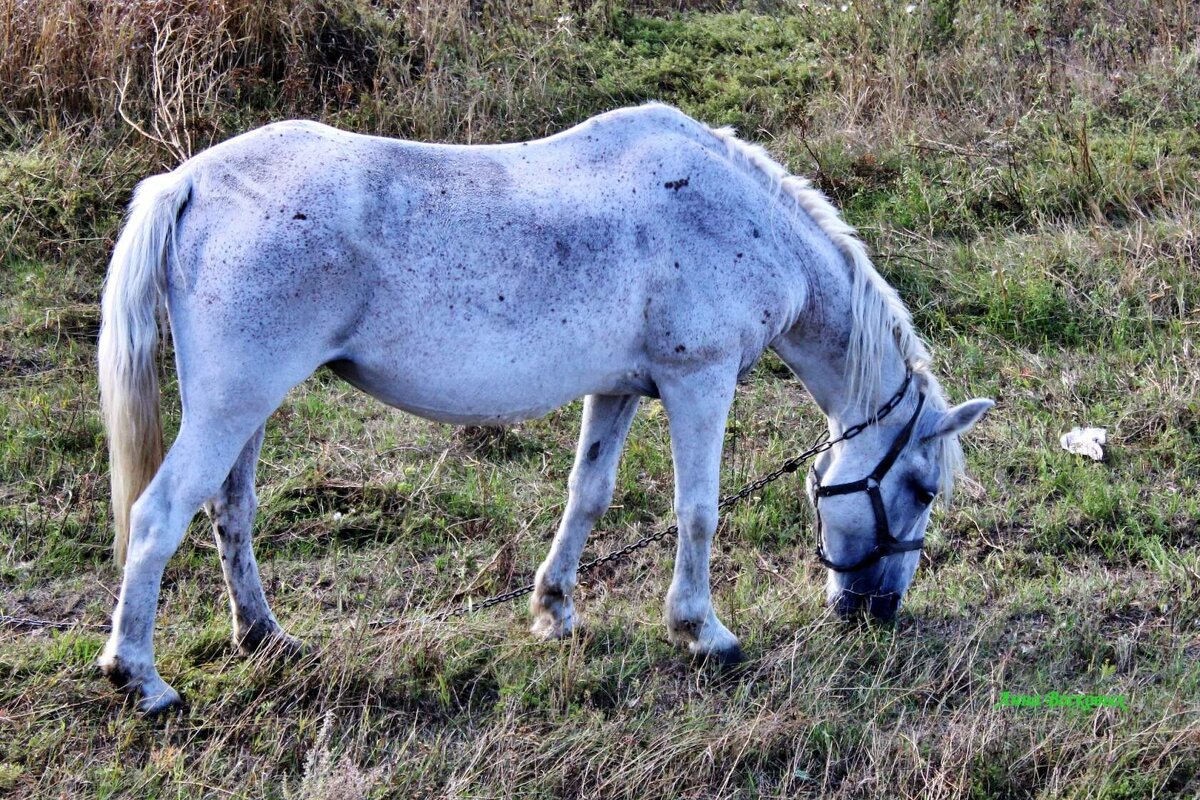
[[881, 606]]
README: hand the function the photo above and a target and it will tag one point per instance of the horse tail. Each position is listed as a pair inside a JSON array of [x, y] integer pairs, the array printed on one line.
[[134, 298]]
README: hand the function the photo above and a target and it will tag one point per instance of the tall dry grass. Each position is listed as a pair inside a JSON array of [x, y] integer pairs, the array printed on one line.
[[174, 69], [187, 72]]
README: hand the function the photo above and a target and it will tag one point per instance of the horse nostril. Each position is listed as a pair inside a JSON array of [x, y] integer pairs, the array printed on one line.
[[883, 607]]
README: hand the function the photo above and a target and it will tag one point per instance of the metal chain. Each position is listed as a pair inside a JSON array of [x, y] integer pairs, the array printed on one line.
[[787, 467], [23, 623], [791, 465]]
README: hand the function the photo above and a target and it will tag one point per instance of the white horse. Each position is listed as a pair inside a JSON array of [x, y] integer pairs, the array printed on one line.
[[640, 253]]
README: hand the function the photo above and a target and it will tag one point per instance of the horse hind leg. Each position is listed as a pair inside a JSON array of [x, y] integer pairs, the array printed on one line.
[[204, 451], [606, 421], [230, 405], [232, 511]]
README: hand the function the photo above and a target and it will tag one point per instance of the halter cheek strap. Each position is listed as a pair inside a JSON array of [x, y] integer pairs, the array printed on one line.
[[885, 543]]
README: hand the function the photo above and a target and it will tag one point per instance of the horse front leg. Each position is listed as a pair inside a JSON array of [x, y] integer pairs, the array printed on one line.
[[697, 409], [606, 421]]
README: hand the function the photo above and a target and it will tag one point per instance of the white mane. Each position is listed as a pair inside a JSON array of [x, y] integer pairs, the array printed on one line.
[[879, 316]]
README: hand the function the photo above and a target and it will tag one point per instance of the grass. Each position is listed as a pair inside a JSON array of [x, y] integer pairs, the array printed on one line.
[[1026, 177]]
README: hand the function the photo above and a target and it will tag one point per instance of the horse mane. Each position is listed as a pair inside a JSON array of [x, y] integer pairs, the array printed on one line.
[[879, 317]]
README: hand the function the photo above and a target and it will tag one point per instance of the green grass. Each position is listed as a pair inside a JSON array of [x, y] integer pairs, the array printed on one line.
[[1026, 178]]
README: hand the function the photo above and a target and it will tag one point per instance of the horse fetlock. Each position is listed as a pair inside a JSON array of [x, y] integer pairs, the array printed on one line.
[[687, 614], [142, 681], [704, 636], [266, 635], [553, 613]]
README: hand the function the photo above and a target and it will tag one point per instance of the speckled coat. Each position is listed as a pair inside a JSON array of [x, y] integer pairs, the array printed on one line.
[[640, 253]]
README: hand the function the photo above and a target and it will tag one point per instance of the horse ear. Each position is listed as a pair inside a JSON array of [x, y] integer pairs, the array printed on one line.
[[962, 417]]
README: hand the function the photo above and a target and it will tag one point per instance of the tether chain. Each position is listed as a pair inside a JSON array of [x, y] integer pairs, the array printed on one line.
[[791, 465]]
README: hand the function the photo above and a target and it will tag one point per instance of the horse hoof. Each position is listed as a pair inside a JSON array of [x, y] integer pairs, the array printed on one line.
[[727, 659], [167, 699], [154, 695], [284, 646], [548, 629], [730, 657], [273, 642]]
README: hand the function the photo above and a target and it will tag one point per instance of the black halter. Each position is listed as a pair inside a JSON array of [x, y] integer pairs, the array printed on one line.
[[885, 543]]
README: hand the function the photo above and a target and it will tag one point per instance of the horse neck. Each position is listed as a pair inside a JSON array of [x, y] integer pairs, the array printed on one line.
[[816, 349]]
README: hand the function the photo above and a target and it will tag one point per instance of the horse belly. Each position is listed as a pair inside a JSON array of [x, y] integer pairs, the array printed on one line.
[[490, 379]]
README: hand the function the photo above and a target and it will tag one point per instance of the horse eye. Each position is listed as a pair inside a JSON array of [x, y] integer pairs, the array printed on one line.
[[924, 496]]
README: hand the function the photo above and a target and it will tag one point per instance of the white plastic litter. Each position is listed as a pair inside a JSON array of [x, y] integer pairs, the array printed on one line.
[[1085, 442]]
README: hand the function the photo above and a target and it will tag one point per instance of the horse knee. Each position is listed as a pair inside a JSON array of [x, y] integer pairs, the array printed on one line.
[[592, 497], [696, 520]]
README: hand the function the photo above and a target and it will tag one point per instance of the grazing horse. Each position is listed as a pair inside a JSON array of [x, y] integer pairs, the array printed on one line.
[[638, 254]]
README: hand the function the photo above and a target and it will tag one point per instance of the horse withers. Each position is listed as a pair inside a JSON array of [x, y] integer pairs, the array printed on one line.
[[640, 253]]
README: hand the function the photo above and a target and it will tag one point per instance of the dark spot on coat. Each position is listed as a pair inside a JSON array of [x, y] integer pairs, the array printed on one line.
[[739, 255], [756, 234], [680, 348], [594, 451], [299, 215], [501, 298], [676, 185]]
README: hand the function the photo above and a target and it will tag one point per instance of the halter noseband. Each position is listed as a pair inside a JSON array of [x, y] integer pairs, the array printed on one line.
[[885, 543]]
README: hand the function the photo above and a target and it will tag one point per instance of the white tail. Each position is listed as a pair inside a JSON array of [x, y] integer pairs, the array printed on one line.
[[133, 297]]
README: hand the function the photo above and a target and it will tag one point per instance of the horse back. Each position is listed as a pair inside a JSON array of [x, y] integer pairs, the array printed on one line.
[[573, 264]]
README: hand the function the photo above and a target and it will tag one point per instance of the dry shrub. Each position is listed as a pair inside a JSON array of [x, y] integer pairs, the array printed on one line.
[[173, 68]]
